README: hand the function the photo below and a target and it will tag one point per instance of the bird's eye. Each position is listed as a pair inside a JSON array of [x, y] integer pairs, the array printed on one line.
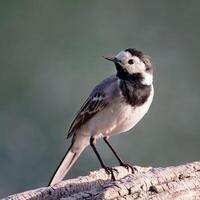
[[130, 62]]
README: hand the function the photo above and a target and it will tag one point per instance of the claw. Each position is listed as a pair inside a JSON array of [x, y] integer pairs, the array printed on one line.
[[127, 166], [110, 170], [117, 172]]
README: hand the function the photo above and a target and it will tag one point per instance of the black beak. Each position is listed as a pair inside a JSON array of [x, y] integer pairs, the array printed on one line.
[[113, 59]]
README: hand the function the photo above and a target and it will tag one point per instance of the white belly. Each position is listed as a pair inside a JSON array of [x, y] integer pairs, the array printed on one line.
[[117, 118]]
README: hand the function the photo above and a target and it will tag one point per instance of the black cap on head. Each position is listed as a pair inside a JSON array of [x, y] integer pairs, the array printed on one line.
[[135, 52]]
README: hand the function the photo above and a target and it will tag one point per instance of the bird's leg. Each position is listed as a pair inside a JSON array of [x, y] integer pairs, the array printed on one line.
[[127, 166], [109, 170]]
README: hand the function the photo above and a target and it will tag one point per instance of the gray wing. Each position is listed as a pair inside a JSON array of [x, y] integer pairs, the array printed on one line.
[[93, 105], [96, 102]]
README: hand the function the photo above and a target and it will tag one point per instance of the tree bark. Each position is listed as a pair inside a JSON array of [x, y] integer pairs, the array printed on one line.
[[180, 182]]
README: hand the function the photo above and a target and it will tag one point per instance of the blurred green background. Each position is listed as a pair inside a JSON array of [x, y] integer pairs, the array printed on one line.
[[51, 57]]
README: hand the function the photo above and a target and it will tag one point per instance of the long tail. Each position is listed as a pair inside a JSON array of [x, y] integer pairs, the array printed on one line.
[[67, 162]]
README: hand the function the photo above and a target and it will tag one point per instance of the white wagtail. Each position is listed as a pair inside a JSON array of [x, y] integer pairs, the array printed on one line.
[[114, 106]]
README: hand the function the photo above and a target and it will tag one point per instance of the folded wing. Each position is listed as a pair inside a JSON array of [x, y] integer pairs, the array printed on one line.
[[94, 104]]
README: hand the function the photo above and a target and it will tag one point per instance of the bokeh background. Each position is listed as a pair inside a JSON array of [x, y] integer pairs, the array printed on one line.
[[50, 59]]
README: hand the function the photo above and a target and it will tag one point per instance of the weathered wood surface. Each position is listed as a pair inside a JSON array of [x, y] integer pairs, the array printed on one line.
[[180, 182]]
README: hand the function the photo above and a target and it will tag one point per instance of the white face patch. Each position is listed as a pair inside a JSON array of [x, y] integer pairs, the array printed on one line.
[[148, 79], [134, 65]]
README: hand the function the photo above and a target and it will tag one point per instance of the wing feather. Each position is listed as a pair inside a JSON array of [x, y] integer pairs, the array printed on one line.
[[94, 104]]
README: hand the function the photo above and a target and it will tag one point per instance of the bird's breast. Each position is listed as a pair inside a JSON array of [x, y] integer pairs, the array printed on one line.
[[118, 117], [127, 116]]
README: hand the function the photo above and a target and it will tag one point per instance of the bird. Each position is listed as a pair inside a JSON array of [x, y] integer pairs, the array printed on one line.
[[114, 106]]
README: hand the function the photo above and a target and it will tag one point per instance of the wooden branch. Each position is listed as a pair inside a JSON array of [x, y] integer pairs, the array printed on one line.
[[181, 182]]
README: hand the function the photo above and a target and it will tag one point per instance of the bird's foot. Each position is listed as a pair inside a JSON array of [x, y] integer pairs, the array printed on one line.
[[110, 171], [127, 166]]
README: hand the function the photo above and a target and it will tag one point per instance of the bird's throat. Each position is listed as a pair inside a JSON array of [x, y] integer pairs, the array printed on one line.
[[135, 93]]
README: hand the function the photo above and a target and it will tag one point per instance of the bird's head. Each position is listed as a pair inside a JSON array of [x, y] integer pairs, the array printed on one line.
[[132, 63]]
